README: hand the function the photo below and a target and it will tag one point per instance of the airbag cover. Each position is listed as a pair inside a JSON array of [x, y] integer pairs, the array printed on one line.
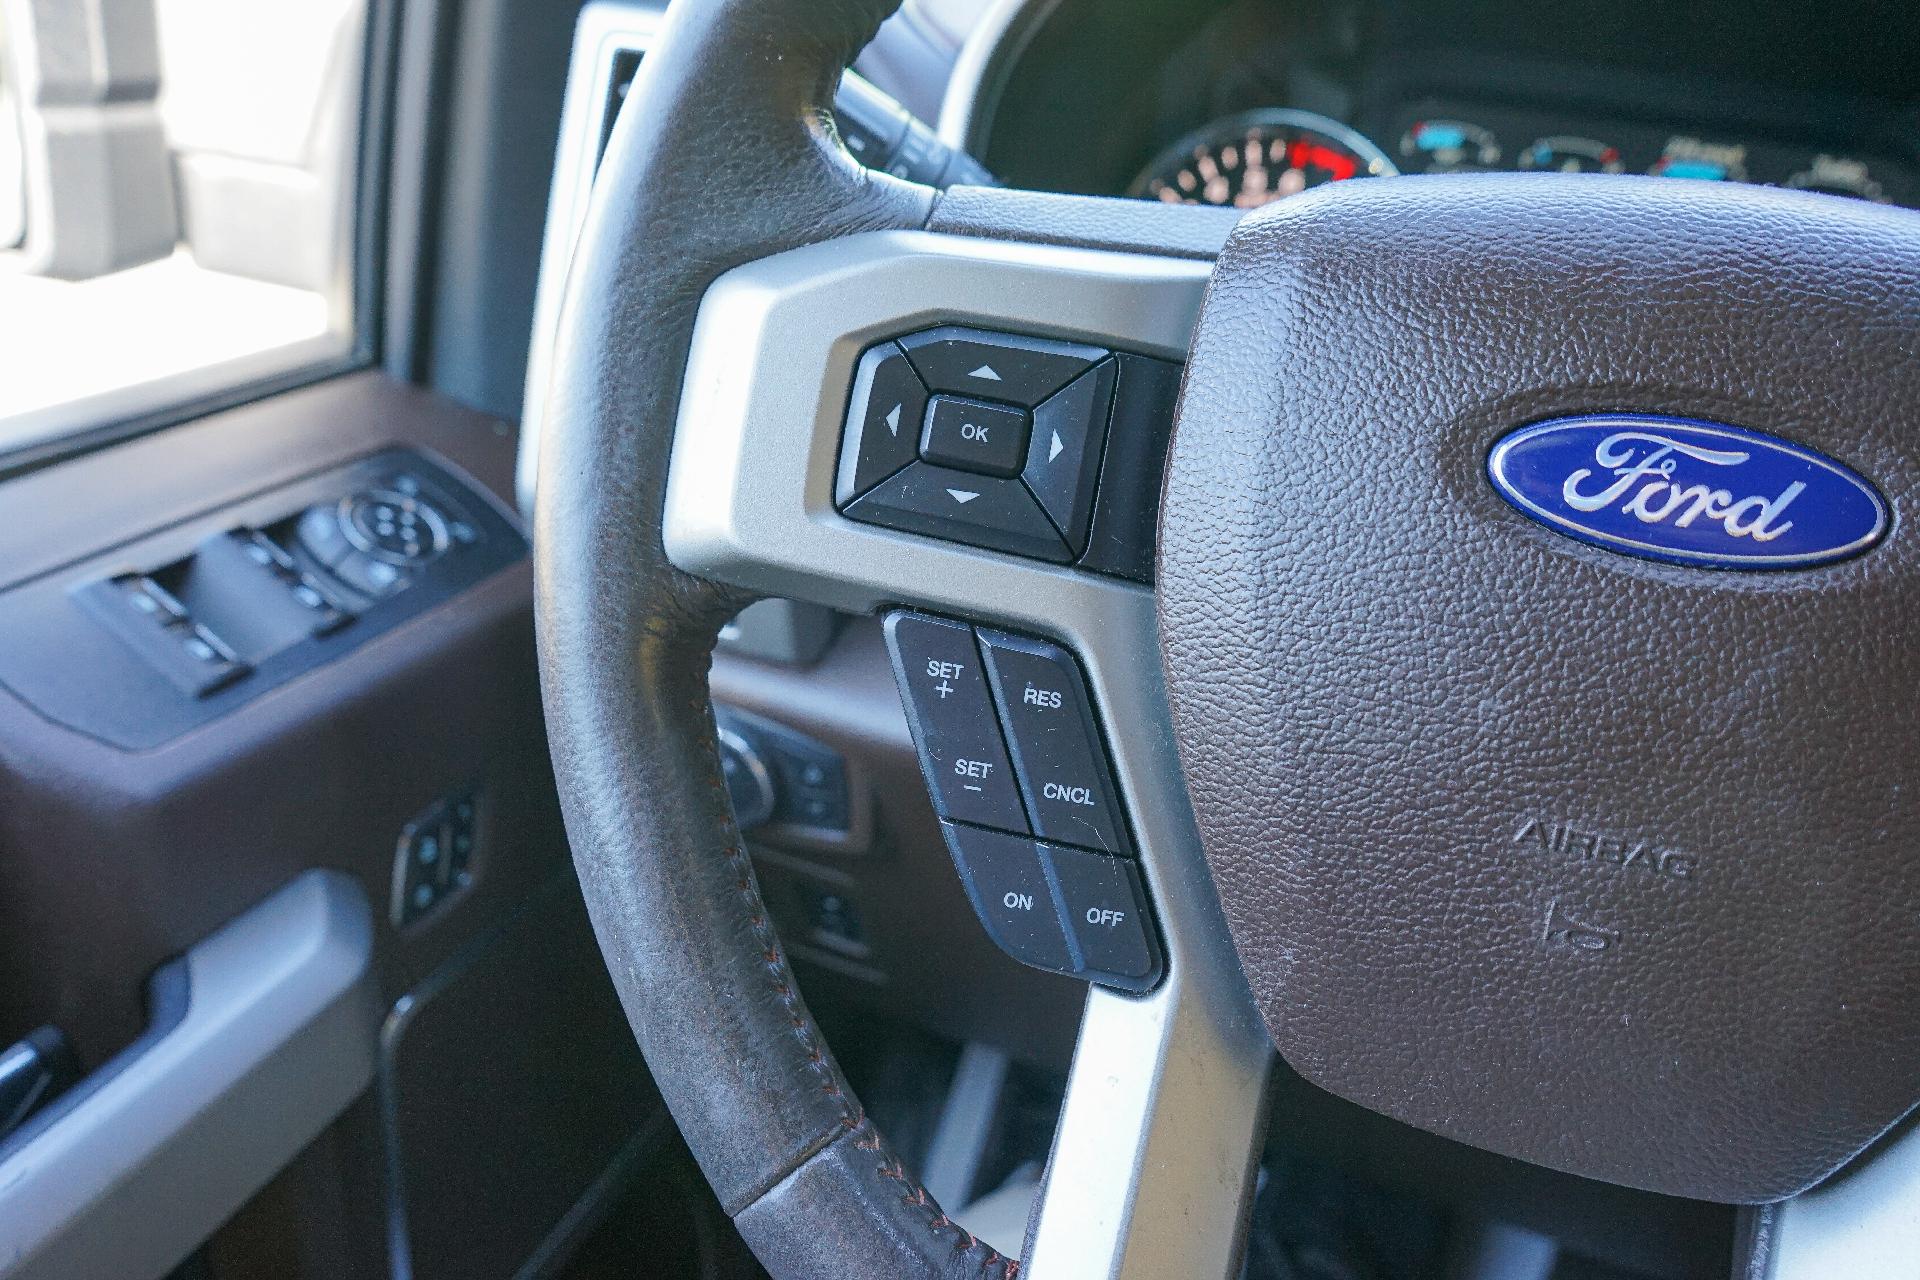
[[1598, 861]]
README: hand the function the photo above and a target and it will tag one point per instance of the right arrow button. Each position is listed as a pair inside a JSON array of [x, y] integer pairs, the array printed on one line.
[[1063, 455]]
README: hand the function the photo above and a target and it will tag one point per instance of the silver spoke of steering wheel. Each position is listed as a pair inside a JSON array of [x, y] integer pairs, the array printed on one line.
[[1154, 1155]]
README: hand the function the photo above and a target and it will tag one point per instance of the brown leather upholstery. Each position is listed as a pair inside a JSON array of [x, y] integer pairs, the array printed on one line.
[[1388, 684]]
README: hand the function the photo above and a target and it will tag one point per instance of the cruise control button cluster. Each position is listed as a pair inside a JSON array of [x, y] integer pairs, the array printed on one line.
[[1019, 773], [1002, 441]]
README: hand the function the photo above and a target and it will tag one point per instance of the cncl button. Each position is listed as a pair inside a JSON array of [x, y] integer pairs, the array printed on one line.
[[1057, 752]]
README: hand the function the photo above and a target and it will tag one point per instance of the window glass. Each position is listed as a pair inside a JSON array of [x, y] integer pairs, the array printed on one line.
[[176, 195]]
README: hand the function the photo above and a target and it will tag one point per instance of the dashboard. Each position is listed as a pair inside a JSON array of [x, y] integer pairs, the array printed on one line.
[[1248, 101]]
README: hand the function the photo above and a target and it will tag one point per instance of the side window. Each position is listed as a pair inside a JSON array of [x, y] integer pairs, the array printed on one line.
[[176, 197]]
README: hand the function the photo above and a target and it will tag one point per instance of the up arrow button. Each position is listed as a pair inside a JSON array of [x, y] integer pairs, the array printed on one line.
[[999, 366]]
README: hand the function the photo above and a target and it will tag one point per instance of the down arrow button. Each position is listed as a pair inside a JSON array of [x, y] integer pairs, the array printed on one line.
[[981, 511]]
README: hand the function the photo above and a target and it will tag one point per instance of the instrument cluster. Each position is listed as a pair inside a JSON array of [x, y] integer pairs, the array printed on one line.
[[1256, 157]]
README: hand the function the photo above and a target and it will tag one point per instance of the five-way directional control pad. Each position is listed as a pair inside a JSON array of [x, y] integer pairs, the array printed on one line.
[[1043, 449]]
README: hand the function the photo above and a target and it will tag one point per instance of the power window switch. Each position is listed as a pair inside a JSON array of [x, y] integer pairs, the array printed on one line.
[[327, 616]]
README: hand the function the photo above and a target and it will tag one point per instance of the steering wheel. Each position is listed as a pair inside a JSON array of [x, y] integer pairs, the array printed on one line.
[[1600, 860]]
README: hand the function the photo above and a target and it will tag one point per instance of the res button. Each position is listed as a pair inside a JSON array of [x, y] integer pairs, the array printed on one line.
[[1057, 752]]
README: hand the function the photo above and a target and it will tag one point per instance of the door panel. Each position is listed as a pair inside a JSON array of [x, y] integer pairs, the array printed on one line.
[[114, 862]]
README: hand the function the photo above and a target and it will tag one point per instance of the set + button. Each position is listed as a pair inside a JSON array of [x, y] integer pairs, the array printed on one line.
[[951, 715]]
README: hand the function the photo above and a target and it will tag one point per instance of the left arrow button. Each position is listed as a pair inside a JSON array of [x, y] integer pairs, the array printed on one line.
[[883, 421]]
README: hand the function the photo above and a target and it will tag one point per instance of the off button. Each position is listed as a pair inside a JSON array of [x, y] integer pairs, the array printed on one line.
[[1103, 904]]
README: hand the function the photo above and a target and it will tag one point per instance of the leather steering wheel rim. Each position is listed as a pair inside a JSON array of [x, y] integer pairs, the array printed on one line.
[[723, 154]]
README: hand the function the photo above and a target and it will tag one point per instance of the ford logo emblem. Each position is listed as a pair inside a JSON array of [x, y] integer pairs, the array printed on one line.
[[1678, 489]]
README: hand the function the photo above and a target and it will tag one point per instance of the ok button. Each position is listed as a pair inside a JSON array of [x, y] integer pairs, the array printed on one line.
[[974, 435]]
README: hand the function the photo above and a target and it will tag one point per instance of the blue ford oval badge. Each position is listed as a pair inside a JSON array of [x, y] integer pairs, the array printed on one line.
[[1694, 492]]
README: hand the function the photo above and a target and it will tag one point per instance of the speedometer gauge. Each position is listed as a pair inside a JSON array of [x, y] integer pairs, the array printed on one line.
[[1250, 159]]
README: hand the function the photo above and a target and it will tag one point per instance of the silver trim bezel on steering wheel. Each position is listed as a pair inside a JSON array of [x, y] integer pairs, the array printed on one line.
[[1153, 1160]]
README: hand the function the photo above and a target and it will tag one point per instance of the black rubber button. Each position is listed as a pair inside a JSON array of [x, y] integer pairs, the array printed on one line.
[[883, 421], [1063, 456], [981, 511], [951, 715], [1102, 903], [996, 366], [1057, 752], [1008, 887], [975, 436], [1127, 509]]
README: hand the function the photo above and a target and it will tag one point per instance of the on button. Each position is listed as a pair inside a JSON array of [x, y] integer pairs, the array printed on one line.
[[1008, 887]]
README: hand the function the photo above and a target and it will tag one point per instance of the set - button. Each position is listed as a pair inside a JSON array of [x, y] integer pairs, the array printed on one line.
[[1017, 767], [951, 714]]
